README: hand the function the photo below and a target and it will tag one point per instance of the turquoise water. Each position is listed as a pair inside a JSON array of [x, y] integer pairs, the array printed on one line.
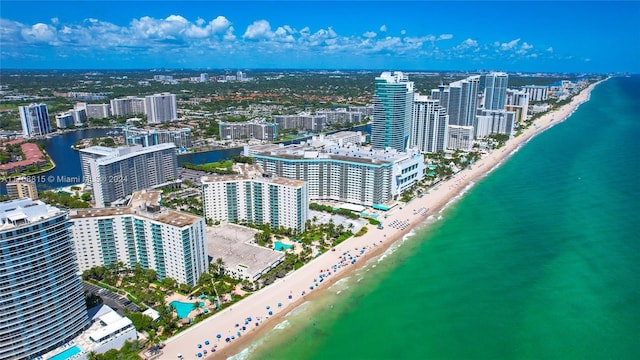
[[74, 350], [278, 246], [183, 308], [539, 260]]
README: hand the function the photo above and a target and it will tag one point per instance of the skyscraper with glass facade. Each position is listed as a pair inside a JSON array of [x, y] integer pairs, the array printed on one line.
[[42, 303], [460, 98], [392, 111], [429, 131], [495, 90], [35, 120]]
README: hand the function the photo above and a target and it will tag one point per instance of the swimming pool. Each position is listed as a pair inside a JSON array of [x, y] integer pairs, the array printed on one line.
[[183, 308], [280, 246], [74, 350]]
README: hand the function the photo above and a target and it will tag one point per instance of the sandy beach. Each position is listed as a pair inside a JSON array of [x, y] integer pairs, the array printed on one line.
[[264, 309]]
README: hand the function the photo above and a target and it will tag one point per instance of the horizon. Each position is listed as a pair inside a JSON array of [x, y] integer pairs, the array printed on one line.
[[518, 36]]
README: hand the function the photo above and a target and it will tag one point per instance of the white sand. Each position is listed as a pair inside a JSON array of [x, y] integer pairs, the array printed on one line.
[[374, 243]]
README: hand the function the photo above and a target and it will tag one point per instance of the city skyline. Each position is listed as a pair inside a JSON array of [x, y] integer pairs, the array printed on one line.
[[529, 36]]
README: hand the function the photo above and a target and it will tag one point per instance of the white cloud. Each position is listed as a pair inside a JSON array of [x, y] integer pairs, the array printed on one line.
[[259, 30], [39, 33], [219, 24], [510, 45], [470, 43], [147, 36]]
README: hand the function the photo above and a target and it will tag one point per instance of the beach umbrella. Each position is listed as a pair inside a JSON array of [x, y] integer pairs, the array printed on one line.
[[233, 337], [237, 325], [244, 328], [270, 312], [227, 339], [199, 354], [204, 351], [257, 324], [238, 333], [199, 346], [206, 342], [218, 336], [268, 307], [290, 297], [279, 304]]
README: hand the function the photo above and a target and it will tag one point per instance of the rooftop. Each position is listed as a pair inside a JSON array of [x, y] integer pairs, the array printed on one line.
[[254, 173], [16, 213], [145, 204], [233, 243]]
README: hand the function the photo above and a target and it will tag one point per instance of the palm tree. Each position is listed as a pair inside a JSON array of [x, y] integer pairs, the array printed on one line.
[[220, 266]]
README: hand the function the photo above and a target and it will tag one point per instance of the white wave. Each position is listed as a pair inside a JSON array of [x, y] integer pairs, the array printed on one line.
[[299, 309], [283, 325], [242, 355], [457, 197]]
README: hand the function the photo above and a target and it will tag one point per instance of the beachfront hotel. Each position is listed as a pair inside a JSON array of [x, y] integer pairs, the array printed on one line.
[[257, 198], [42, 304], [392, 111], [342, 170], [460, 137], [495, 90], [494, 122], [35, 120], [429, 129], [170, 242], [113, 173], [460, 98]]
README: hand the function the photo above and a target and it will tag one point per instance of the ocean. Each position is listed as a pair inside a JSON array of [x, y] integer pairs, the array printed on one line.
[[538, 260]]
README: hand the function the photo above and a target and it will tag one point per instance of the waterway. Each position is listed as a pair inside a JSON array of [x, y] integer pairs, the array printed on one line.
[[69, 172]]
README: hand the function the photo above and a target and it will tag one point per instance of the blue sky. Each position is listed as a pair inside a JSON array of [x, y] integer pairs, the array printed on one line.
[[571, 36]]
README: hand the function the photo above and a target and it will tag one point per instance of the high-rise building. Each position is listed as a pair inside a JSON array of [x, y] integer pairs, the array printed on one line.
[[495, 90], [161, 108], [249, 130], [79, 116], [518, 101], [64, 120], [95, 111], [22, 188], [170, 242], [429, 132], [113, 173], [536, 92], [42, 304], [149, 137], [342, 171], [392, 111], [460, 98], [256, 198], [494, 122], [460, 137], [130, 105], [35, 120]]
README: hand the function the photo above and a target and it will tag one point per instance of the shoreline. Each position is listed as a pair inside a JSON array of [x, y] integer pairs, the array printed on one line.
[[300, 286]]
